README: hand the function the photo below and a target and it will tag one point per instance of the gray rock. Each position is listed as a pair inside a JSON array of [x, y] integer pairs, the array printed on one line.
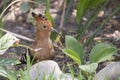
[[110, 72], [50, 70]]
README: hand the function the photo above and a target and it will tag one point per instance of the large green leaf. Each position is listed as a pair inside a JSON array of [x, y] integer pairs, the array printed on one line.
[[81, 9], [73, 44], [49, 17], [90, 68], [84, 5], [72, 55], [5, 62], [8, 61], [93, 3], [47, 12], [101, 52], [7, 73], [3, 71], [6, 41]]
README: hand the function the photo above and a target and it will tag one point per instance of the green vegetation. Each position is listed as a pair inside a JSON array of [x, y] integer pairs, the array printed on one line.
[[99, 53], [91, 5], [73, 48]]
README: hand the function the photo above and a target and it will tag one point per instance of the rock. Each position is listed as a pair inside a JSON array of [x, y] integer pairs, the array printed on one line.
[[110, 72], [48, 69]]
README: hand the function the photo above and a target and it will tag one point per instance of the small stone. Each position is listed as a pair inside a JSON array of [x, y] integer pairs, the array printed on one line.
[[110, 72], [46, 69]]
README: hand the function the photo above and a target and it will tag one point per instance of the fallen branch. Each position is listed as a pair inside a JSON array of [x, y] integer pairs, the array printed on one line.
[[17, 35]]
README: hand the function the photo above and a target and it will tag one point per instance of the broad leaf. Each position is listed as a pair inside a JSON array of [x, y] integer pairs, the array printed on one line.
[[101, 52], [93, 3], [90, 68], [8, 61], [47, 12], [84, 5], [73, 44], [72, 55], [7, 73], [6, 41], [49, 17], [81, 9], [3, 71], [53, 35]]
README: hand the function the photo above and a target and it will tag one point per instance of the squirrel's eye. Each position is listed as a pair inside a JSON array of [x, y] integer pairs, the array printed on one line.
[[44, 26]]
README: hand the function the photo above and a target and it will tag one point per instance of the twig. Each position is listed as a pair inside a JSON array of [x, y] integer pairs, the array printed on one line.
[[21, 45], [17, 35], [62, 17], [1, 15], [61, 25], [8, 7], [14, 3]]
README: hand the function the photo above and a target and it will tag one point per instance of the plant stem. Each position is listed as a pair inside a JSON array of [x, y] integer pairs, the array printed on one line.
[[103, 23], [90, 20], [21, 45]]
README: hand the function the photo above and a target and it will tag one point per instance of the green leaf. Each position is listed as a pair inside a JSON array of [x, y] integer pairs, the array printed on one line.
[[90, 68], [93, 3], [73, 44], [101, 52], [68, 10], [81, 9], [3, 71], [84, 5], [47, 12], [24, 6], [49, 17], [8, 61], [7, 73], [72, 55], [6, 41]]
